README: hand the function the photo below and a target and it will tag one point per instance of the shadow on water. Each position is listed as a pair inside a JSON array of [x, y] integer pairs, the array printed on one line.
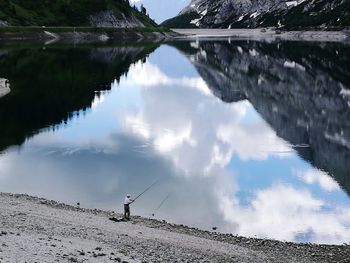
[[301, 89], [50, 85]]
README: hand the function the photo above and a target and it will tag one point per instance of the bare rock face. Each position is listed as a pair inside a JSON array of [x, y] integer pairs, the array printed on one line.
[[256, 13], [4, 87], [109, 19]]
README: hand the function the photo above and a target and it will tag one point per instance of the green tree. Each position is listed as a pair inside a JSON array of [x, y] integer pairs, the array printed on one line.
[[143, 10]]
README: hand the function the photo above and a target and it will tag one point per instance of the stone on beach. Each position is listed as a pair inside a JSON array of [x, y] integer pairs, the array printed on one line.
[[66, 233]]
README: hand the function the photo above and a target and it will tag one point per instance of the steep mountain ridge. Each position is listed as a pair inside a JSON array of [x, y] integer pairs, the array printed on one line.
[[255, 13], [99, 13]]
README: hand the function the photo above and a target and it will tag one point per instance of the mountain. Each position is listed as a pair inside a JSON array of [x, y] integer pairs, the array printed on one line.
[[99, 13], [300, 89], [161, 10], [255, 13]]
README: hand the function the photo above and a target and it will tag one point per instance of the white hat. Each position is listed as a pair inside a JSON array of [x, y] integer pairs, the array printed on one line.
[[128, 195]]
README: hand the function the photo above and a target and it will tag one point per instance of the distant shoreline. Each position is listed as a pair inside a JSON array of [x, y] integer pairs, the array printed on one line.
[[81, 34], [103, 34], [266, 34], [37, 229]]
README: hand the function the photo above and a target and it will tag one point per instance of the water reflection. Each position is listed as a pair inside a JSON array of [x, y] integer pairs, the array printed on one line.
[[302, 90], [51, 85], [222, 164]]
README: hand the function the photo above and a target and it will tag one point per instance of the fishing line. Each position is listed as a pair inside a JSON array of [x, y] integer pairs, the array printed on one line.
[[161, 203], [146, 190]]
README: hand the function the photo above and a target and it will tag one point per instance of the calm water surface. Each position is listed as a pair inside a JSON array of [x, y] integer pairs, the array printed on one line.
[[248, 137]]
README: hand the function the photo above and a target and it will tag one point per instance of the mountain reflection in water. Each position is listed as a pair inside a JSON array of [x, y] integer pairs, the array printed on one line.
[[51, 85], [301, 90], [267, 159]]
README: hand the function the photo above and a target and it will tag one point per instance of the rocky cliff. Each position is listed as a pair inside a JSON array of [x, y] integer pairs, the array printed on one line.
[[302, 91], [255, 13], [108, 19]]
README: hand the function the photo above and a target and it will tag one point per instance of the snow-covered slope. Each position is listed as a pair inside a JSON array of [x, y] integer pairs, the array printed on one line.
[[256, 13]]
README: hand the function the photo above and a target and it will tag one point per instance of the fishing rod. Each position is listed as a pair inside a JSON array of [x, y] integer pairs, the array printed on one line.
[[145, 190], [161, 203]]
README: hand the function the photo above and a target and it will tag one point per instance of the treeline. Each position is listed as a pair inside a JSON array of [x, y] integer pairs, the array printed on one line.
[[64, 12]]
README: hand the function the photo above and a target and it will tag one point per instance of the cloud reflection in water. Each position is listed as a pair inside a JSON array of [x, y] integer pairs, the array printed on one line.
[[153, 126]]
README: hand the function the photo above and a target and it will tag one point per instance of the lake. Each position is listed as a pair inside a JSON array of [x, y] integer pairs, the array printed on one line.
[[250, 137]]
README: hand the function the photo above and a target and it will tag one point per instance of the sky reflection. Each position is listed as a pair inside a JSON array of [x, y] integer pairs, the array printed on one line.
[[221, 163]]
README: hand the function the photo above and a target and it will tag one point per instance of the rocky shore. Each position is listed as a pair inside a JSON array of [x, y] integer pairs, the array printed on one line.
[[81, 35], [38, 230], [267, 34], [100, 35]]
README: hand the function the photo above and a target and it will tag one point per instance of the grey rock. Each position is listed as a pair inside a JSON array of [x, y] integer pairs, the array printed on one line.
[[4, 87], [3, 23], [110, 19], [256, 13]]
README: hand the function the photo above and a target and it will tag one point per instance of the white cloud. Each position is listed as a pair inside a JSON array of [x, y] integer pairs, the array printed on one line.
[[149, 75], [314, 176], [168, 140], [257, 141], [137, 125], [283, 212], [196, 132]]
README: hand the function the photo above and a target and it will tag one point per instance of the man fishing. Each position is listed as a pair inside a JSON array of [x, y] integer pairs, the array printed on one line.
[[127, 202]]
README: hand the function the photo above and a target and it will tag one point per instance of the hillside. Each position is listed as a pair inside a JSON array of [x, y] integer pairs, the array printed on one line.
[[251, 14], [100, 13]]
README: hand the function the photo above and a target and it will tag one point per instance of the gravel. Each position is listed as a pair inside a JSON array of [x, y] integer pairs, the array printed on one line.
[[38, 230]]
